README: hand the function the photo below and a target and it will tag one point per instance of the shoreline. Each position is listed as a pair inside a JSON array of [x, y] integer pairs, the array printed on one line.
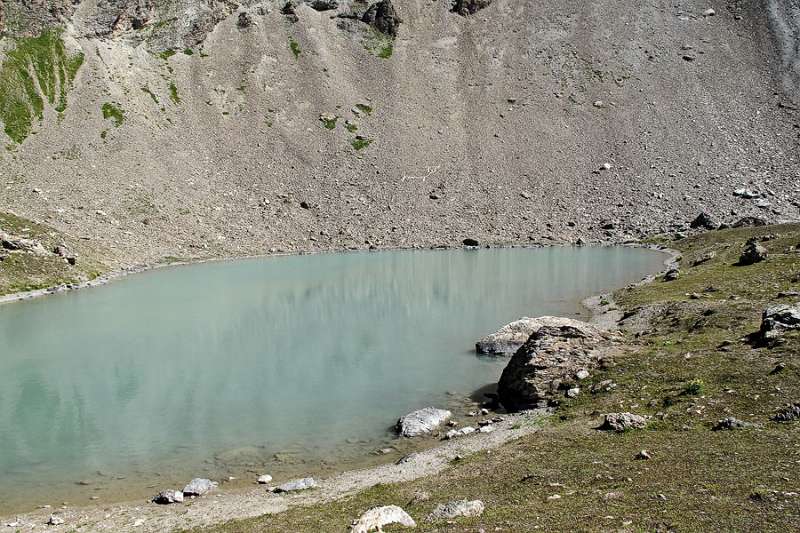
[[241, 502]]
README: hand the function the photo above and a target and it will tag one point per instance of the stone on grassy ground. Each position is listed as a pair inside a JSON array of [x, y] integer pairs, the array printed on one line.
[[199, 487], [377, 517], [510, 338], [166, 497], [55, 520], [777, 319], [788, 413], [422, 421], [730, 423], [296, 485], [620, 422], [457, 508], [752, 253], [672, 274]]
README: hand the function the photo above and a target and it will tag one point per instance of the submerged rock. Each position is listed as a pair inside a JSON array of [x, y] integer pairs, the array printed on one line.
[[422, 421], [166, 497], [545, 367], [510, 338], [199, 487], [377, 517], [620, 422], [457, 508], [296, 485]]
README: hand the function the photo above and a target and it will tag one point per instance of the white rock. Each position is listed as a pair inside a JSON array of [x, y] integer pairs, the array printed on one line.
[[508, 339], [582, 374], [454, 433], [377, 517], [709, 12], [457, 508], [422, 421], [199, 487], [55, 520], [263, 480], [296, 484]]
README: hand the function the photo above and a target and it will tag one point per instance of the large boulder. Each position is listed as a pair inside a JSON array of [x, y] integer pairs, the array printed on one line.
[[296, 485], [422, 421], [546, 366], [383, 17], [377, 517], [621, 422], [510, 338], [777, 319], [704, 221]]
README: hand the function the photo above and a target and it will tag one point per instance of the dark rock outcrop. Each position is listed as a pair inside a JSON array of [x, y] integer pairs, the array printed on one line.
[[469, 7], [753, 253], [788, 413], [383, 17], [704, 221], [323, 5], [546, 366]]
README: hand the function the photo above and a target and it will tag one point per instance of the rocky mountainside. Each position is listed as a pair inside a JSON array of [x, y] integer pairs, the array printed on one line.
[[194, 128]]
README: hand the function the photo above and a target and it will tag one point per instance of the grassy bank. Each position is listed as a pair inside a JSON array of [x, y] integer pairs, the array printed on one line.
[[21, 271], [687, 365]]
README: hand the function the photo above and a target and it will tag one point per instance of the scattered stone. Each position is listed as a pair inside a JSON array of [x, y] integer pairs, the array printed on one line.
[[621, 422], [582, 374], [554, 497], [780, 367], [777, 319], [510, 338], [422, 421], [486, 429], [264, 479], [606, 166], [788, 413], [704, 221], [383, 17], [747, 194], [604, 386], [377, 517], [749, 222], [753, 253], [788, 294], [455, 433], [245, 21], [323, 5], [549, 359], [705, 258], [672, 274], [709, 12], [730, 423], [296, 485], [55, 520], [288, 10], [573, 392], [457, 508], [470, 242], [643, 455], [199, 487], [167, 497]]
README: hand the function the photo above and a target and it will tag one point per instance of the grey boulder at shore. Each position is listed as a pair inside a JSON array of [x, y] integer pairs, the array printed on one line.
[[296, 484], [510, 338], [198, 487], [422, 421]]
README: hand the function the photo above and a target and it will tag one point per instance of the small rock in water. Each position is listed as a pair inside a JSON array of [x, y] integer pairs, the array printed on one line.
[[620, 422], [296, 485], [377, 517], [457, 508], [263, 480], [199, 487], [55, 520], [422, 421], [167, 497]]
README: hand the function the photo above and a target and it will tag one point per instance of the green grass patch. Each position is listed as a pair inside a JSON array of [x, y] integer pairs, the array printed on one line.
[[166, 54], [173, 93], [359, 143], [188, 52], [364, 108], [328, 121], [378, 44], [114, 113], [294, 46], [352, 128], [33, 61]]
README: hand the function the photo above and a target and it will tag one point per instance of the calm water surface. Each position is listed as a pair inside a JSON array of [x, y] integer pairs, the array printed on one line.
[[213, 369]]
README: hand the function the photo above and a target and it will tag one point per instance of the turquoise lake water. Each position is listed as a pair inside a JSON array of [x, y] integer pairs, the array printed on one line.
[[213, 369]]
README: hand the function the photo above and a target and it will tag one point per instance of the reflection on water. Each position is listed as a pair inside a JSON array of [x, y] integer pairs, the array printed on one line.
[[158, 373]]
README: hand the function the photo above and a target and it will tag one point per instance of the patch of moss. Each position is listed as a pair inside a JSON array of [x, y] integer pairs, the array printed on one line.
[[166, 54], [352, 128], [294, 46], [379, 44], [188, 51], [38, 70], [114, 113], [173, 93], [364, 108], [359, 143], [328, 121]]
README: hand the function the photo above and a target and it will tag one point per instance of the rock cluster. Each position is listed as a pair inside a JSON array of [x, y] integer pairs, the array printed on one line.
[[730, 423], [788, 413], [546, 366], [422, 421], [510, 338]]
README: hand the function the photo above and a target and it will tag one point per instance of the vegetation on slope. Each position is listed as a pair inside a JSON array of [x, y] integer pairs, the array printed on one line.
[[37, 71], [689, 367]]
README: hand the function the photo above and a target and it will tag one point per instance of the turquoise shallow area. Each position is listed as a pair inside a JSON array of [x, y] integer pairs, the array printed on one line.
[[211, 367]]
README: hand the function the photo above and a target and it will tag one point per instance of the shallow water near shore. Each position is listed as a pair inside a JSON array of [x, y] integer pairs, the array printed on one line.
[[278, 365]]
